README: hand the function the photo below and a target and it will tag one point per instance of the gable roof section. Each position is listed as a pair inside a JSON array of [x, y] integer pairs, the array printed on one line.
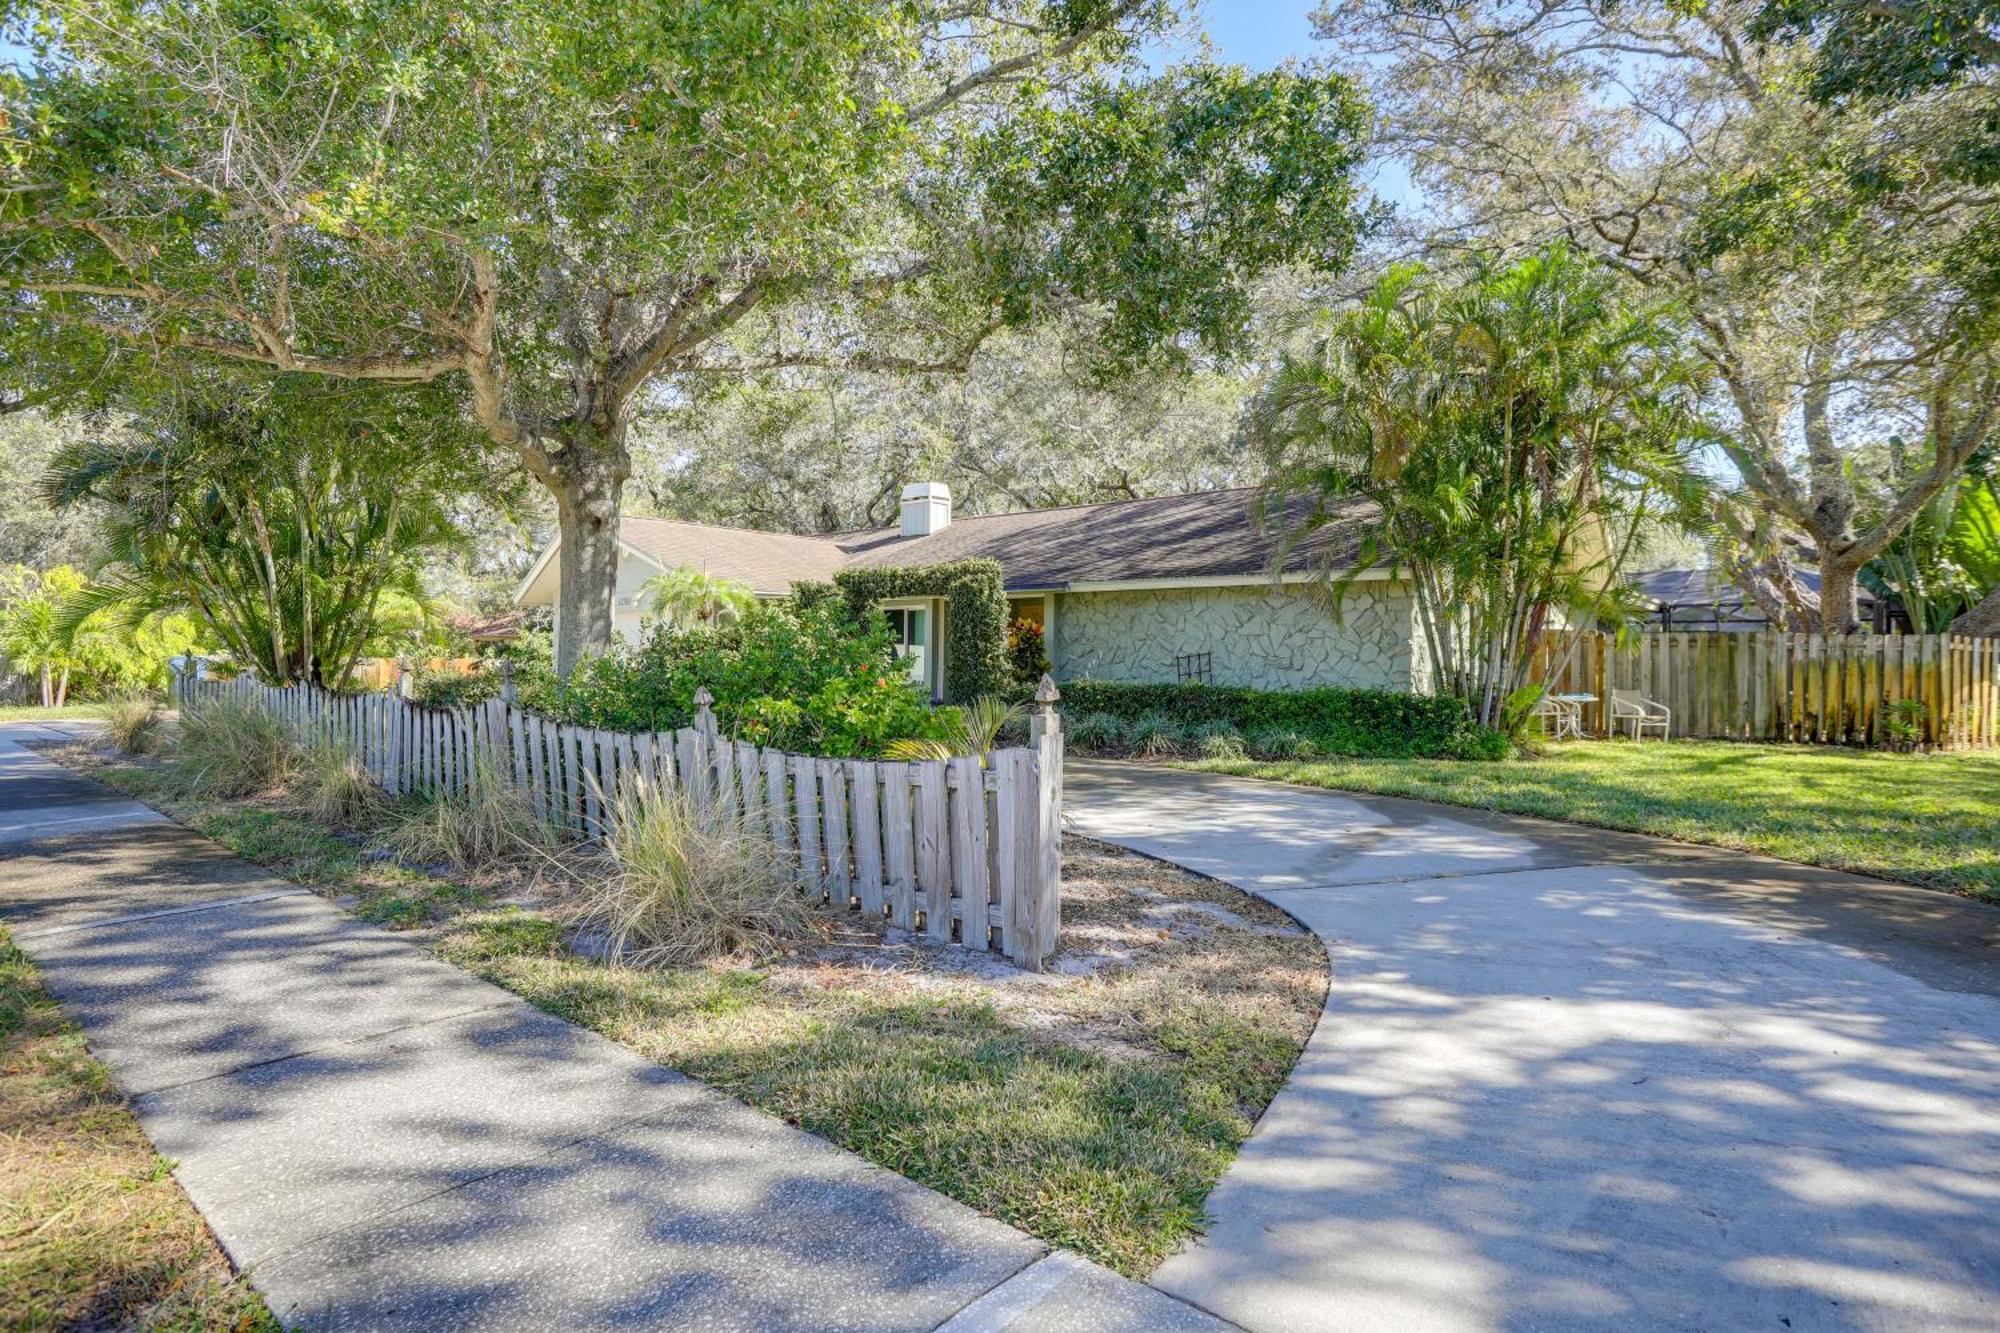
[[1203, 535], [1206, 535], [770, 562]]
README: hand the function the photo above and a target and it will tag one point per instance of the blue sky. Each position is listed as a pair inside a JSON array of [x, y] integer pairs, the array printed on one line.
[[1259, 32]]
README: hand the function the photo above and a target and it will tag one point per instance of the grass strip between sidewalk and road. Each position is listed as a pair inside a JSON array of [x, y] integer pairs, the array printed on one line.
[[94, 1230], [1928, 819]]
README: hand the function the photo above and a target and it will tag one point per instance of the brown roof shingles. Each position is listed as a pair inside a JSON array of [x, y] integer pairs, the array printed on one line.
[[1207, 534]]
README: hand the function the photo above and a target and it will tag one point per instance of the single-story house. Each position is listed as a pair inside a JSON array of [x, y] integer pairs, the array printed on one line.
[[1173, 588]]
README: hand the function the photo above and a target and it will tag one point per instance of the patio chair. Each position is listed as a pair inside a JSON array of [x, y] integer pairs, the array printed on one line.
[[1561, 719], [1644, 714]]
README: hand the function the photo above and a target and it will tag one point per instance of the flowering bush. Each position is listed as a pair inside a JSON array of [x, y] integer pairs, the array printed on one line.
[[1027, 651], [800, 678]]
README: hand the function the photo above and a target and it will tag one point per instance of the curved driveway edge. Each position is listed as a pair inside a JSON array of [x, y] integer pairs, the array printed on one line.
[[1575, 1079]]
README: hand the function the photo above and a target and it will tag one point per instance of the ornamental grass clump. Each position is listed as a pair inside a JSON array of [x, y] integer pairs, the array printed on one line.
[[681, 884], [136, 722], [1279, 743], [1156, 736], [490, 820], [333, 786], [232, 747], [1216, 740], [1099, 733]]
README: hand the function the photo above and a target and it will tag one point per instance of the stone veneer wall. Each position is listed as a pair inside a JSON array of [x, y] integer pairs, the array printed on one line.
[[1258, 636]]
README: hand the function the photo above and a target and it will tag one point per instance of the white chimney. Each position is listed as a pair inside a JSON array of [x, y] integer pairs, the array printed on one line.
[[926, 508]]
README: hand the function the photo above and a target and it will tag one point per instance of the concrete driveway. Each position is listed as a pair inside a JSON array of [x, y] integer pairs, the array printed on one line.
[[1573, 1079]]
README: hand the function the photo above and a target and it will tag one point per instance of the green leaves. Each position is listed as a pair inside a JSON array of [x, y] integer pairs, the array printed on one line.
[[1163, 199], [1509, 427]]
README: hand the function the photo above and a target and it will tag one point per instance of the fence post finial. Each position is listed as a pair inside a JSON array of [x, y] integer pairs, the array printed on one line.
[[704, 711], [507, 689], [403, 689], [1046, 694]]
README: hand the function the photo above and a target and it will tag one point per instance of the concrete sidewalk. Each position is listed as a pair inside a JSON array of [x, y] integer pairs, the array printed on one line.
[[385, 1142], [1570, 1079]]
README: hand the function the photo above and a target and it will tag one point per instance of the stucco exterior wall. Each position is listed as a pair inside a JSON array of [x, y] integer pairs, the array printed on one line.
[[1258, 636]]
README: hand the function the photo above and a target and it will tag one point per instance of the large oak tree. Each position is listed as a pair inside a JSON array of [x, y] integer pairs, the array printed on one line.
[[1832, 256], [566, 210]]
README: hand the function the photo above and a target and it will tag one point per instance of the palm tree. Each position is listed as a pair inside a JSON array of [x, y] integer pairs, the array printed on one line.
[[1502, 435], [281, 529], [690, 598]]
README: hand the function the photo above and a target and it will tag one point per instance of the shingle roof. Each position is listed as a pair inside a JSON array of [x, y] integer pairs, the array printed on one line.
[[1714, 587], [770, 562], [1207, 534]]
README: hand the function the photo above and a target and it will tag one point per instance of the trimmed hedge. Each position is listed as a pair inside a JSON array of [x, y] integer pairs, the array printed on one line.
[[975, 655], [1372, 723]]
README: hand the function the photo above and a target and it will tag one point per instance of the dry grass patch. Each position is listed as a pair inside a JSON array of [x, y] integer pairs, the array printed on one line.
[[94, 1231]]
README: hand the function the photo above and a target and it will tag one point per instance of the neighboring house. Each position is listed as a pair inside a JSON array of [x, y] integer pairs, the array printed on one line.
[[1707, 599], [1175, 588]]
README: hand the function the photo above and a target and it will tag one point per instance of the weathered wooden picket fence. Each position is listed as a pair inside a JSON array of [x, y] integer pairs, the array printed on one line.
[[1841, 689], [963, 850]]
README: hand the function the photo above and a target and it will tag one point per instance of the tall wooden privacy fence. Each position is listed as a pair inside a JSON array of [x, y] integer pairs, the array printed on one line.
[[1842, 689], [960, 850]]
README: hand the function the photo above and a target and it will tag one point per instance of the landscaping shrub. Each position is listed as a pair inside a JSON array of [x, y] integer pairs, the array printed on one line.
[[1101, 733], [444, 687], [981, 724], [332, 785], [1027, 651], [1483, 743], [1279, 743], [492, 820], [233, 747], [801, 678], [1156, 736], [1216, 740], [1337, 721], [134, 722], [683, 885]]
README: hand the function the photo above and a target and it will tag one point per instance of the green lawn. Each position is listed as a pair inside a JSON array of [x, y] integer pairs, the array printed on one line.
[[36, 713], [1930, 819]]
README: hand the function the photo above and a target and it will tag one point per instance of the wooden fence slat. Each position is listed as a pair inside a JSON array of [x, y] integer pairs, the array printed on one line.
[[933, 848], [1010, 870], [805, 810], [777, 800], [750, 782], [966, 787], [899, 845], [833, 807], [867, 803]]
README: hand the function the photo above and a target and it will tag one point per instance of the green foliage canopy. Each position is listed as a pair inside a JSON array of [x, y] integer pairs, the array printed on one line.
[[800, 678], [1507, 430], [555, 210], [290, 522]]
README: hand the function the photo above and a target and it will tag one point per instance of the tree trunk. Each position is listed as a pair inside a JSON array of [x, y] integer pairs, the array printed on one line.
[[588, 482], [1836, 595], [48, 687], [62, 689], [1981, 619]]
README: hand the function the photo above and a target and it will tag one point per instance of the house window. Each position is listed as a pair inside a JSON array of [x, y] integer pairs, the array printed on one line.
[[1194, 667], [910, 627]]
